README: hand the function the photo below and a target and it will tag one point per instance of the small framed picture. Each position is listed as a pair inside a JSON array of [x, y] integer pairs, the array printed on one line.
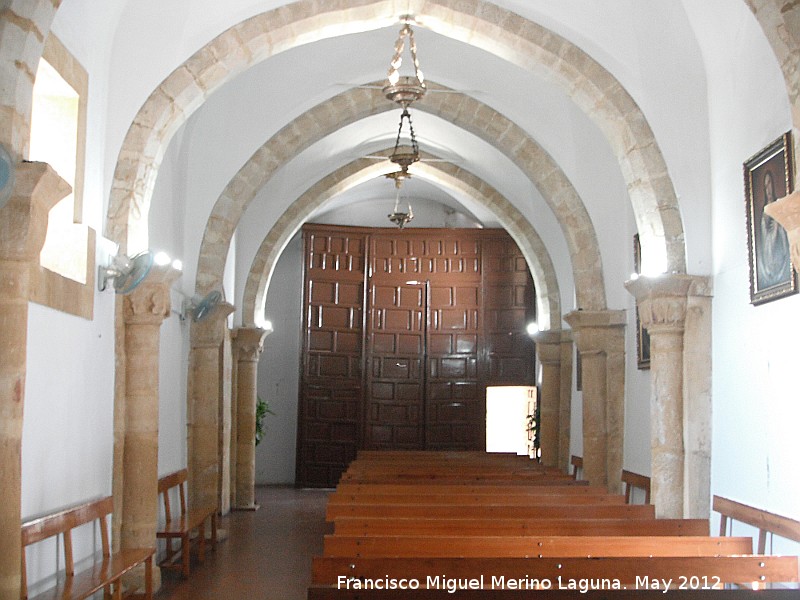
[[642, 336], [767, 177]]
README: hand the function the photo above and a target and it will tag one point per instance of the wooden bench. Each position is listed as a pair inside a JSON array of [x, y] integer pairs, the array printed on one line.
[[432, 496], [762, 520], [422, 546], [107, 568], [456, 489], [182, 524], [635, 481], [499, 510], [577, 465], [327, 570], [366, 526]]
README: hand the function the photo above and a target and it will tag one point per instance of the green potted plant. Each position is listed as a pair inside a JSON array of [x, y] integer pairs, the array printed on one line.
[[262, 408]]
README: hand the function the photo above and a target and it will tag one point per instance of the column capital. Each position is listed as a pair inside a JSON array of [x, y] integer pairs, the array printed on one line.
[[592, 328], [249, 342], [548, 346], [786, 211], [150, 303], [23, 221], [211, 330], [662, 300]]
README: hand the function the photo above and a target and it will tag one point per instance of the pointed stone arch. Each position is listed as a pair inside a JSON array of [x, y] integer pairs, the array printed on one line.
[[23, 26], [479, 23], [462, 111], [450, 176]]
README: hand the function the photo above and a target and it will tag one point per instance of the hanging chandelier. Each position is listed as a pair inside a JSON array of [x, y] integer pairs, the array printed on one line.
[[403, 90]]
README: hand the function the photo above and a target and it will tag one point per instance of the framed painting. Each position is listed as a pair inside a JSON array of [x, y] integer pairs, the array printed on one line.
[[642, 336], [767, 177]]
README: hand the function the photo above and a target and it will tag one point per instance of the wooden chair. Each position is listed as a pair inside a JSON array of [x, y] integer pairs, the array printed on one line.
[[181, 525]]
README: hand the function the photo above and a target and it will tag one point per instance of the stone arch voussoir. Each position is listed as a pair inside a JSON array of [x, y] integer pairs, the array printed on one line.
[[477, 22], [447, 175], [462, 111]]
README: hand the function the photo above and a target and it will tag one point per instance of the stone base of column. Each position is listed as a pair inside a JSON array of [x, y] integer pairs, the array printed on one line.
[[247, 507], [134, 580]]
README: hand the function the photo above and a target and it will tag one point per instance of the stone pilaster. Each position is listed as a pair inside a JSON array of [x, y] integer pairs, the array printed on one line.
[[205, 389], [548, 349], [664, 308], [600, 336], [786, 211], [23, 225], [565, 406], [249, 342], [144, 310]]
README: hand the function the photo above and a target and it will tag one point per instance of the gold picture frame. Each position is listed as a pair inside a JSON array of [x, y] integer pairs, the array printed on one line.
[[767, 177]]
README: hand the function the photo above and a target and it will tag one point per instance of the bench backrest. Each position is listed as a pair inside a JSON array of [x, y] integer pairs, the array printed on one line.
[[634, 480], [165, 484], [764, 521], [63, 522], [577, 465]]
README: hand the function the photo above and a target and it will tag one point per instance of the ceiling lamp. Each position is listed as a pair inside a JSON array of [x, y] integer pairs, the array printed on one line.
[[397, 216], [404, 90]]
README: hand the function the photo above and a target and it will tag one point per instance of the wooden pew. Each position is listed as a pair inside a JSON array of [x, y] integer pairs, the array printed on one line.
[[710, 570], [454, 489], [180, 525], [635, 481], [432, 496], [536, 546], [106, 570], [365, 526], [540, 511], [762, 520]]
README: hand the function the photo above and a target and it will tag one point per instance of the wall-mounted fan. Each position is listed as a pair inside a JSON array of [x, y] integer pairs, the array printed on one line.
[[6, 176], [125, 273], [200, 308]]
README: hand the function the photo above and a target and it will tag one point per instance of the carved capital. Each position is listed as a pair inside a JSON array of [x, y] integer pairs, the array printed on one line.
[[548, 346], [249, 343], [662, 300], [211, 330], [23, 221], [597, 330], [149, 304], [786, 211]]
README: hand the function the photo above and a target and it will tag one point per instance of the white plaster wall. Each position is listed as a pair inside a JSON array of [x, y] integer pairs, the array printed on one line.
[[167, 232], [756, 409], [67, 438], [279, 369]]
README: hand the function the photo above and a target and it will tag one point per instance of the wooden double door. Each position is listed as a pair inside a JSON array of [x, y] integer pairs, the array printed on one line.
[[402, 332]]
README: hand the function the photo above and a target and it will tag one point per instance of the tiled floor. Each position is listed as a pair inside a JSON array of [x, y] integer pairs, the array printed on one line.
[[267, 555]]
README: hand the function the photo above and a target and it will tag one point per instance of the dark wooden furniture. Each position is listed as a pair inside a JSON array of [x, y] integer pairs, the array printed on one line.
[[181, 524], [762, 520], [634, 480], [106, 569], [402, 332]]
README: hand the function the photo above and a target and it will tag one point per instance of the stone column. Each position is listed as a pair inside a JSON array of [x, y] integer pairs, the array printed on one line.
[[144, 310], [249, 342], [663, 303], [786, 211], [205, 388], [565, 405], [548, 349], [23, 225], [600, 336]]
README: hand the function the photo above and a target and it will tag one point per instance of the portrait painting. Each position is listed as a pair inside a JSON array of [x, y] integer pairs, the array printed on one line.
[[642, 335], [766, 179]]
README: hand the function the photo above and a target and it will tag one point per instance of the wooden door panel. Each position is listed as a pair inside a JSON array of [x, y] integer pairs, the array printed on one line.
[[445, 315], [331, 386]]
